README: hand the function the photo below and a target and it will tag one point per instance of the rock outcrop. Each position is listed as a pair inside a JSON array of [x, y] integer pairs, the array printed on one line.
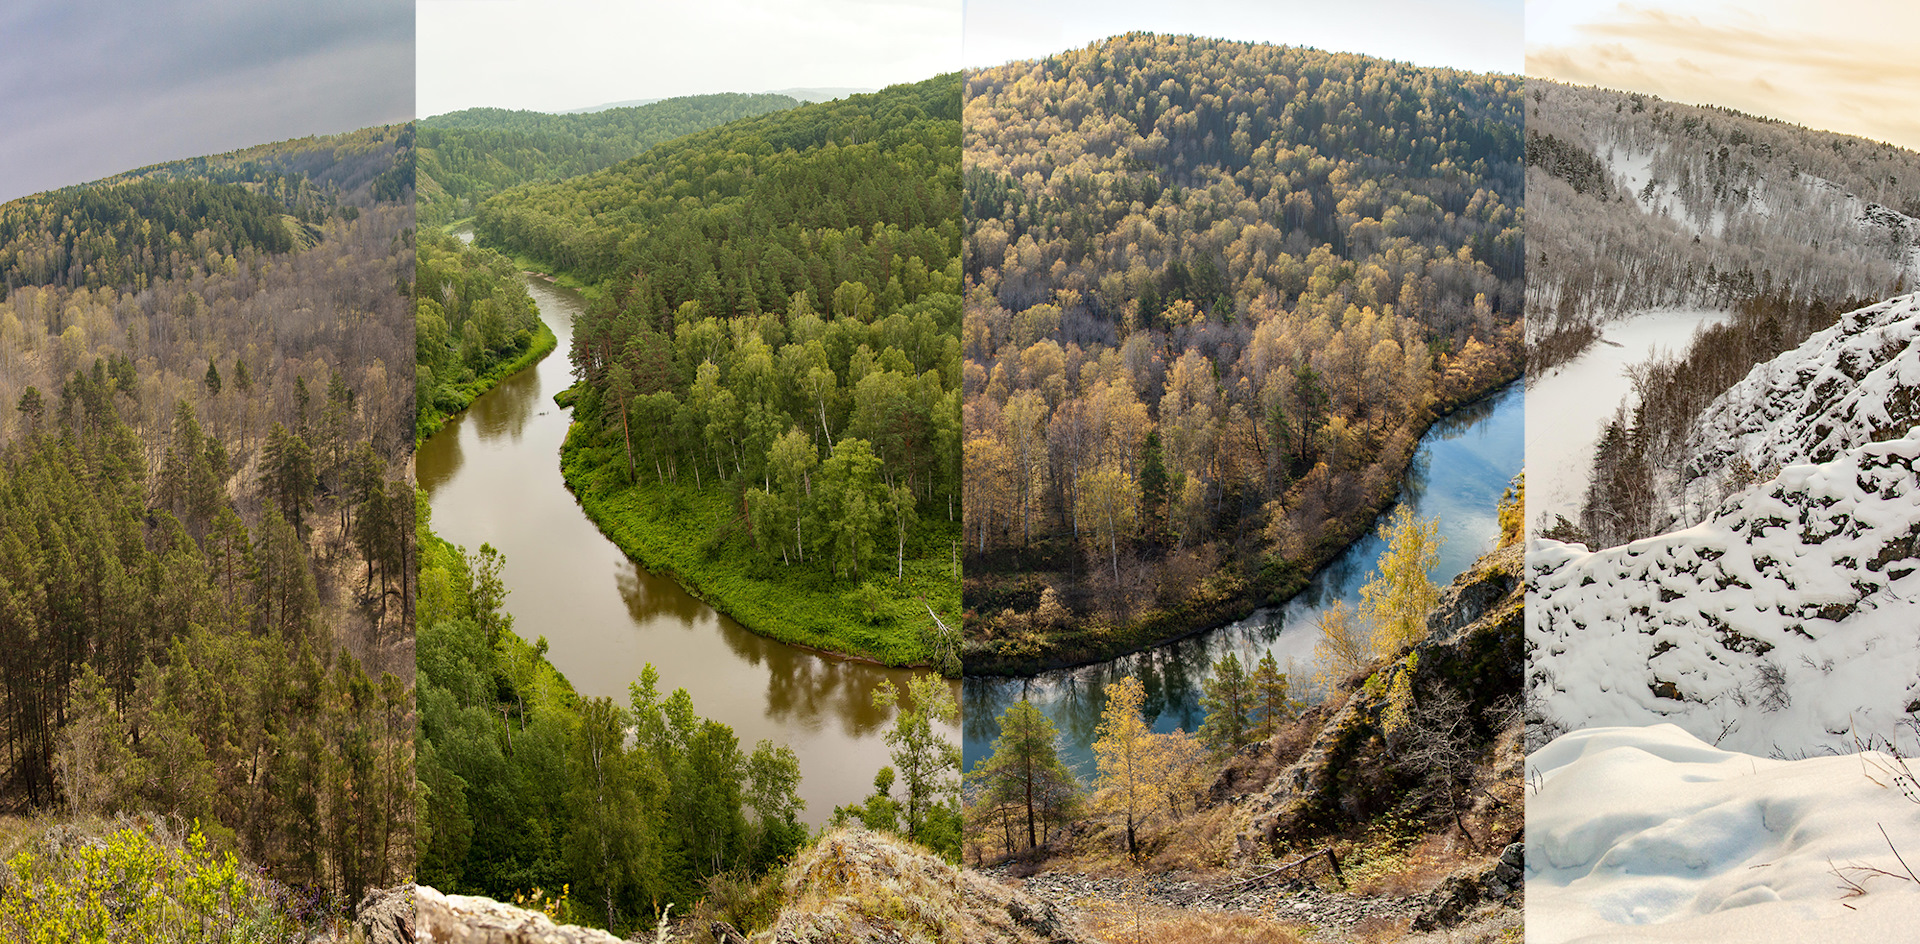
[[1344, 775], [855, 886], [464, 919]]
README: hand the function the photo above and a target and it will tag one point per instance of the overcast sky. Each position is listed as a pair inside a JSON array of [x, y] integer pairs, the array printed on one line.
[[555, 55], [90, 88], [1838, 65], [1481, 35]]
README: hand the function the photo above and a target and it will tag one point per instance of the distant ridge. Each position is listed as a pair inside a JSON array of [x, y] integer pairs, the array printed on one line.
[[803, 94]]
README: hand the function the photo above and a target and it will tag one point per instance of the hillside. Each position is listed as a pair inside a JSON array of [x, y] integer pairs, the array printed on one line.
[[769, 397], [1635, 202], [1782, 621], [1215, 293], [467, 156], [1851, 384], [1389, 812], [207, 572]]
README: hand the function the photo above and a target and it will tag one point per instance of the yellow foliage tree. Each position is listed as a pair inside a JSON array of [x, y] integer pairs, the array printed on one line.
[[1397, 601], [1124, 754]]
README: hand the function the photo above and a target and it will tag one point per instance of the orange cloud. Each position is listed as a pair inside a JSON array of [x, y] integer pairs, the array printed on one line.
[[1841, 78]]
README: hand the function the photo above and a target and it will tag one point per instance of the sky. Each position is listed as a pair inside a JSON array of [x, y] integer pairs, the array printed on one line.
[[1480, 35], [556, 55], [1838, 65], [90, 88]]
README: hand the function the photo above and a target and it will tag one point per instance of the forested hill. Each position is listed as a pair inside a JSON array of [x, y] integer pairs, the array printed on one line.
[[468, 156], [1635, 202], [770, 397], [206, 559], [171, 220], [1215, 291]]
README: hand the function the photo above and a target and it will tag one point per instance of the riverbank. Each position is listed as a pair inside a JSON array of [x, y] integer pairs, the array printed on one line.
[[1232, 593], [678, 531], [429, 420]]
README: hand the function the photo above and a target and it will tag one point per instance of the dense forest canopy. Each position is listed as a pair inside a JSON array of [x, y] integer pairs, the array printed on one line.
[[1215, 291], [534, 788], [473, 323], [170, 220], [1635, 202], [206, 564], [777, 323], [468, 156]]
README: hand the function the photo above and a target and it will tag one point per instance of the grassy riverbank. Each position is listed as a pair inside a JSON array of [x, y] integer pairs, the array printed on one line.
[[699, 537], [430, 417]]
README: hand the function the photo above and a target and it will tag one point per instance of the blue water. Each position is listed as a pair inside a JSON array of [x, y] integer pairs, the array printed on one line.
[[1461, 468]]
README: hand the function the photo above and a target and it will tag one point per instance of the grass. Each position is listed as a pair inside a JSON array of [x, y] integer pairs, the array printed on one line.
[[429, 419], [1135, 922], [697, 536]]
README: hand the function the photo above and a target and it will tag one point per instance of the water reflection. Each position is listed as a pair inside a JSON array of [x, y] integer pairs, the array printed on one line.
[[493, 475], [1462, 467]]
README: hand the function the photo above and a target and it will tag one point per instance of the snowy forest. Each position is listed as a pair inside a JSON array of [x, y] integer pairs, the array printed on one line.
[[1215, 293], [1635, 202]]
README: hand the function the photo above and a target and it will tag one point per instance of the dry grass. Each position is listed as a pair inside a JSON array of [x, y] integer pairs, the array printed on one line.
[[1397, 872], [854, 885], [1118, 922]]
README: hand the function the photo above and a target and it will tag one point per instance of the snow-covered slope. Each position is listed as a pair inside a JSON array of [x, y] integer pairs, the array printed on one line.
[[1789, 621], [1854, 383], [1638, 834]]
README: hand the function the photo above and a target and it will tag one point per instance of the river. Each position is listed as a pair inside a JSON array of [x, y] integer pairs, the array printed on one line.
[[1458, 473], [493, 476]]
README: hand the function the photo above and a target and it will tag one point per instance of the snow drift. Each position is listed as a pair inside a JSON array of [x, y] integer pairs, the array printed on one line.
[[1648, 833]]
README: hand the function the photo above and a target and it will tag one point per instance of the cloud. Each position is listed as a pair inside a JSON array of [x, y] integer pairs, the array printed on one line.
[[95, 88], [1840, 67]]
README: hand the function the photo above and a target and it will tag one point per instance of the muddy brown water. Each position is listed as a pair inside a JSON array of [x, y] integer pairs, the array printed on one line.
[[493, 476]]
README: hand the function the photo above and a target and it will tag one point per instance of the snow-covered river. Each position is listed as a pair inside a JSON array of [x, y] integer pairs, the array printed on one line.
[[1570, 405]]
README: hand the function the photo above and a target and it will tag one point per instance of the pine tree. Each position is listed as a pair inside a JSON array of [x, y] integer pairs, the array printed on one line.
[[1025, 769], [1228, 700], [1270, 697]]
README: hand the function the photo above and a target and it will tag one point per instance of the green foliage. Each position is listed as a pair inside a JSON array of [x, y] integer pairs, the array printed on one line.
[[1025, 775], [669, 528], [1229, 698], [474, 325], [776, 328], [468, 156], [1271, 701], [532, 788], [140, 886], [928, 763]]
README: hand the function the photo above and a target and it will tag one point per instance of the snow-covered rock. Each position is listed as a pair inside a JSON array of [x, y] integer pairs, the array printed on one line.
[[1787, 622], [1648, 833], [1853, 383]]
